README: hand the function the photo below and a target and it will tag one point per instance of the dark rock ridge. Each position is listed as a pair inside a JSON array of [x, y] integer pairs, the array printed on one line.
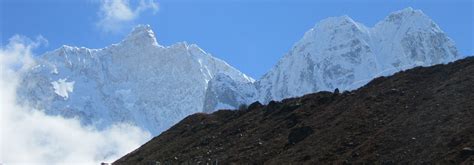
[[417, 116]]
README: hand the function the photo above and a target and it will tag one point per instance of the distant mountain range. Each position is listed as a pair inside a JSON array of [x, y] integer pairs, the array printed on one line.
[[154, 86]]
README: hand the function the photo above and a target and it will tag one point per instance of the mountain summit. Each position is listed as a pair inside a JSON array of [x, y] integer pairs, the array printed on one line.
[[339, 52], [141, 35]]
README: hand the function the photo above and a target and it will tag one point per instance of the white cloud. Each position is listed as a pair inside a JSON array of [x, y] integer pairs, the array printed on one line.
[[28, 136], [115, 14]]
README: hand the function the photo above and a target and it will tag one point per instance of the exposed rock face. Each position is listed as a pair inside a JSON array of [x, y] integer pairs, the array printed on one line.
[[422, 115], [137, 81], [341, 53]]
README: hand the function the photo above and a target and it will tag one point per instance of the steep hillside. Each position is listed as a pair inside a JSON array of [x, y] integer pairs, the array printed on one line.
[[418, 115]]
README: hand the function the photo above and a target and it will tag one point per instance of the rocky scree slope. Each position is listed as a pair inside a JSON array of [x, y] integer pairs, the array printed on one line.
[[420, 115]]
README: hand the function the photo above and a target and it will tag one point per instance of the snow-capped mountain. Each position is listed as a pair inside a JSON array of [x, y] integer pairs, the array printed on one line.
[[154, 86], [137, 81], [341, 53]]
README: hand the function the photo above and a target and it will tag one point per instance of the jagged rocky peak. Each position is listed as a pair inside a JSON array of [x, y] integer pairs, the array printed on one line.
[[141, 35]]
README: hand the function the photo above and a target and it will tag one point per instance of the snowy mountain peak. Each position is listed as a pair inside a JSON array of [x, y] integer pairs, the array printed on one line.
[[409, 37], [340, 22], [344, 20], [141, 35], [339, 52], [408, 17], [409, 11], [330, 29]]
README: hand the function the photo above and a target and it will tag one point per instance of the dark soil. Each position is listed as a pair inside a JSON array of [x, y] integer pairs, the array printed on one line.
[[423, 115]]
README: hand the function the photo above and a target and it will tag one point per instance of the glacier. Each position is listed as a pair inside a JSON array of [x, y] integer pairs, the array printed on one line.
[[341, 53]]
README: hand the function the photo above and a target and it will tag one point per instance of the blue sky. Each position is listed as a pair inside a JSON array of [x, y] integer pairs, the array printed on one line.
[[250, 35]]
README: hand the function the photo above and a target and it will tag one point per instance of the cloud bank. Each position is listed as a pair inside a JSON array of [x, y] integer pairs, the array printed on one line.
[[116, 14], [29, 136]]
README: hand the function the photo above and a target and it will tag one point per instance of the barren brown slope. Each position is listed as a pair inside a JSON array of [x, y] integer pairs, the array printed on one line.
[[419, 115]]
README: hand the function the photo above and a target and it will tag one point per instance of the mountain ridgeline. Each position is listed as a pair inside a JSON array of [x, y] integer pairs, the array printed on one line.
[[152, 86], [421, 115]]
